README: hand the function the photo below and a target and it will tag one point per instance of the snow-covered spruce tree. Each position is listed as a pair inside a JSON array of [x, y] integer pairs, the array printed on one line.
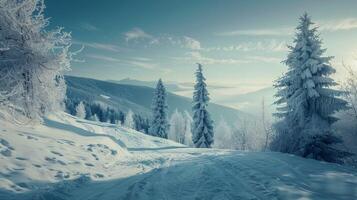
[[159, 124], [306, 99], [177, 127], [129, 120], [32, 60], [202, 130], [81, 110]]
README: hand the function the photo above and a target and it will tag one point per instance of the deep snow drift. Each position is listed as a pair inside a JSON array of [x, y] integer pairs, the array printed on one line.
[[69, 158]]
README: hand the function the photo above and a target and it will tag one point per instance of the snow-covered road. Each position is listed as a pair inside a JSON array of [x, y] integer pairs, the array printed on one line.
[[212, 174], [67, 159]]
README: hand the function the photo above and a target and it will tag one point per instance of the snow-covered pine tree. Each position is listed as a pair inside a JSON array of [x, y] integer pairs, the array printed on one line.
[[129, 120], [159, 124], [81, 110], [202, 130], [307, 100], [32, 60], [177, 127]]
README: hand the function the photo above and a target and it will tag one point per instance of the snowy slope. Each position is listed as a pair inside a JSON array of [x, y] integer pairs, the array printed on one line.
[[68, 158], [138, 98]]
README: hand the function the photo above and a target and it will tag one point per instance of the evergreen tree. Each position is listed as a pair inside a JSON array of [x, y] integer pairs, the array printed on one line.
[[202, 133], [159, 125], [80, 110], [307, 101]]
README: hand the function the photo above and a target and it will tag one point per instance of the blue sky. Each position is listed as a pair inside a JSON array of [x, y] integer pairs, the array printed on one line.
[[240, 43]]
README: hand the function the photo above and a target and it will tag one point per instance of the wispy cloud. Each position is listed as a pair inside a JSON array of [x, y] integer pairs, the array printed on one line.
[[142, 59], [148, 64], [331, 26], [265, 59], [149, 39], [145, 65], [136, 33], [100, 46], [182, 42], [89, 27], [338, 25], [190, 43], [258, 32], [103, 58], [268, 45], [196, 56]]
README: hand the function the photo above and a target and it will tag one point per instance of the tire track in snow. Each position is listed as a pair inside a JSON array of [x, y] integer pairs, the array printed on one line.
[[253, 180]]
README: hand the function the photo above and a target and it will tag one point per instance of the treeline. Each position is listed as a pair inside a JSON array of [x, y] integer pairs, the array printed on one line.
[[97, 112]]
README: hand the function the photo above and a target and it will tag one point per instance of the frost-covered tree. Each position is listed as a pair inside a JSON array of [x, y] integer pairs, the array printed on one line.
[[81, 110], [187, 128], [240, 140], [95, 118], [306, 98], [202, 130], [266, 126], [129, 120], [350, 88], [223, 135], [32, 60], [177, 127], [159, 124]]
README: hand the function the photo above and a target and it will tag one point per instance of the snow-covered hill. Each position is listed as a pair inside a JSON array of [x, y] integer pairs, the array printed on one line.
[[138, 98], [68, 158]]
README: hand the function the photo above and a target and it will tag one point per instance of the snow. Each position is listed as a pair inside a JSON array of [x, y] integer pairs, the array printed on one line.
[[105, 96], [71, 158]]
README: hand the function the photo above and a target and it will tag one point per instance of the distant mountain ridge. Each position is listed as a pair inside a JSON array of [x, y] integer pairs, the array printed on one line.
[[138, 98], [251, 102], [170, 85]]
